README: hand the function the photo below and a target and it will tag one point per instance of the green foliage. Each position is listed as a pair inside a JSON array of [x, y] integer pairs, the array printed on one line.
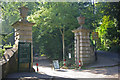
[[5, 38], [10, 14], [0, 50], [8, 45], [70, 62], [108, 30], [0, 40], [3, 50], [107, 34], [61, 64], [51, 19]]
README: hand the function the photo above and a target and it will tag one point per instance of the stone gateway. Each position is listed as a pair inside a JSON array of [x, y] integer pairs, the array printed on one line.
[[83, 50]]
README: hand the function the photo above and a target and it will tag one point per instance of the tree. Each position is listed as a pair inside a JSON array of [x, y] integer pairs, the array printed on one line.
[[10, 14], [61, 16], [109, 28], [105, 34]]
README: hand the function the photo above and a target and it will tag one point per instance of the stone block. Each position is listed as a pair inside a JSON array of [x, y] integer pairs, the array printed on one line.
[[85, 59], [75, 42], [84, 40], [84, 45], [85, 56], [85, 48], [25, 36], [87, 52], [84, 33], [25, 39], [84, 37], [23, 28], [75, 48]]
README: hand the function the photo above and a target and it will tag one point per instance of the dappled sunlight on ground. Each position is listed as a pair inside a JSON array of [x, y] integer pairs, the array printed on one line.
[[108, 72], [92, 71], [111, 72]]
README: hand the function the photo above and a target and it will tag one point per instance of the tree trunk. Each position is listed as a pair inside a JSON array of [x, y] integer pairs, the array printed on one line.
[[63, 42], [63, 45]]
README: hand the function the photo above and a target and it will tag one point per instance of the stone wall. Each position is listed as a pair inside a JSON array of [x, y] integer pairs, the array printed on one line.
[[9, 62]]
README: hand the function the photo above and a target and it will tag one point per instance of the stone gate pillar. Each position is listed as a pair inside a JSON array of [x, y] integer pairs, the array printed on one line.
[[23, 31], [83, 49]]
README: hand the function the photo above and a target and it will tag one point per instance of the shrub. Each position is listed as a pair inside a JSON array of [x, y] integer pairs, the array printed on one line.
[[7, 45]]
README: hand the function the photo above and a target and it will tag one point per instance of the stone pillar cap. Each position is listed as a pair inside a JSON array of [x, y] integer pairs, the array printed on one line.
[[81, 29], [23, 11]]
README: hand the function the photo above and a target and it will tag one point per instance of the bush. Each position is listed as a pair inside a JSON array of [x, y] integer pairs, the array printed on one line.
[[70, 63], [61, 63], [3, 50], [7, 45]]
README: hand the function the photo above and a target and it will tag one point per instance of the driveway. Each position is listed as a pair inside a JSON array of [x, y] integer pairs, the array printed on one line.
[[96, 70]]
